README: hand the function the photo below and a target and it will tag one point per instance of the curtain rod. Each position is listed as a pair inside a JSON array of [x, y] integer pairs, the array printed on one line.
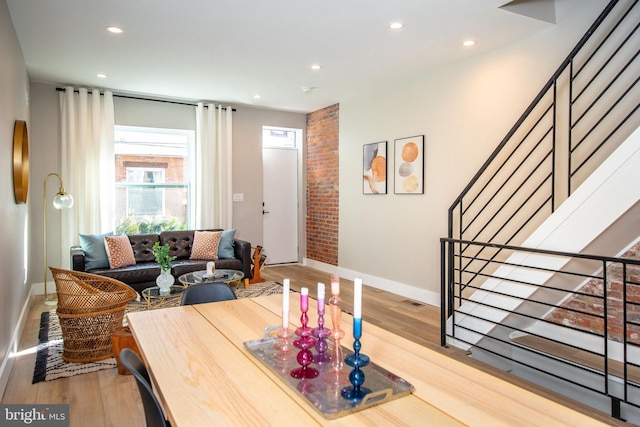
[[62, 89]]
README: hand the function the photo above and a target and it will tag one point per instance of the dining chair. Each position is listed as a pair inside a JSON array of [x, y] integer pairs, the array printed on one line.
[[154, 415], [207, 292]]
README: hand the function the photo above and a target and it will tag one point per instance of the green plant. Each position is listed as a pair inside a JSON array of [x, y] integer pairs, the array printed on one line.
[[162, 256], [143, 225]]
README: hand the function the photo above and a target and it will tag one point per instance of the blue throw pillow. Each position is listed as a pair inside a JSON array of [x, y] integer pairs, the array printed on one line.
[[225, 249], [95, 254]]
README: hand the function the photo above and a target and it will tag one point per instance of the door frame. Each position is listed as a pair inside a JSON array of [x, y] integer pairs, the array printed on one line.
[[302, 201]]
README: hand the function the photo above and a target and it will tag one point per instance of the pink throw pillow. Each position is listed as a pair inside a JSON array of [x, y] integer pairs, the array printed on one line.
[[205, 245], [119, 251]]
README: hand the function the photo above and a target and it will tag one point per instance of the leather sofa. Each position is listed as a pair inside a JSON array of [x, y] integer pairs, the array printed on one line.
[[144, 273]]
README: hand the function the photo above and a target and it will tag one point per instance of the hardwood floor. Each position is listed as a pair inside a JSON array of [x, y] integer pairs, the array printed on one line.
[[105, 398]]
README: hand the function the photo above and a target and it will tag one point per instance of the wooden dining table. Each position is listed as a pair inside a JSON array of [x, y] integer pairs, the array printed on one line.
[[204, 375]]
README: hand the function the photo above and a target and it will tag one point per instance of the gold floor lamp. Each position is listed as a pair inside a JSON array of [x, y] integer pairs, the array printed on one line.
[[62, 200]]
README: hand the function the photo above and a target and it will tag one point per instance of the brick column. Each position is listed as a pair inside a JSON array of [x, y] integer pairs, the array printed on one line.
[[323, 184]]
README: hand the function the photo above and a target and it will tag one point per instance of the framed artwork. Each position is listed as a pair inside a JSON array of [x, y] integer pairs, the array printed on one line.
[[409, 165], [374, 158]]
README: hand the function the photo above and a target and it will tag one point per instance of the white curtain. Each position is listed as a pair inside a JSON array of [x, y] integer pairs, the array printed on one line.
[[88, 165], [213, 199]]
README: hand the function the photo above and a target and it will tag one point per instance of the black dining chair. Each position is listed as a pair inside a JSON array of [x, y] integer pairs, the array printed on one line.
[[154, 415], [207, 292]]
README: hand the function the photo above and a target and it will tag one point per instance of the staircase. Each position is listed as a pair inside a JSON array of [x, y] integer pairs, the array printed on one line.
[[539, 270]]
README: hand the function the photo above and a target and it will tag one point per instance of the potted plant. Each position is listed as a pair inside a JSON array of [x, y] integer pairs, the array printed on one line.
[[165, 279]]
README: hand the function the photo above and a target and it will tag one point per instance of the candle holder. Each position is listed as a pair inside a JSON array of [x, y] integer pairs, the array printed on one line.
[[304, 342], [357, 360], [321, 333], [336, 375], [284, 344]]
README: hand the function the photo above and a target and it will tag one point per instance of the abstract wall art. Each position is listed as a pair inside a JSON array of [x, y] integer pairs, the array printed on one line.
[[409, 165], [375, 168]]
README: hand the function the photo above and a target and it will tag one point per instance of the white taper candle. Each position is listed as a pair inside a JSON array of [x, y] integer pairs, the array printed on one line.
[[285, 303], [320, 291], [357, 298]]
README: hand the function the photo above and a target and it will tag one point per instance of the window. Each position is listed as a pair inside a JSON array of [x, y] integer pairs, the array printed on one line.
[[275, 137], [153, 176], [145, 200]]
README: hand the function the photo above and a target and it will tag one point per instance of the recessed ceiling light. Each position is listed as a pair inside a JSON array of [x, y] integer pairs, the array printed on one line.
[[113, 29], [316, 67], [256, 96], [102, 75], [396, 25], [468, 43]]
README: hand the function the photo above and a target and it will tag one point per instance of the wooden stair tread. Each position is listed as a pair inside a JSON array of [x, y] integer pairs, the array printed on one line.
[[579, 357]]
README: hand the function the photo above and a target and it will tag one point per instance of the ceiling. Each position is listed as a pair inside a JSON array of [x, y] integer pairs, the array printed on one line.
[[228, 51]]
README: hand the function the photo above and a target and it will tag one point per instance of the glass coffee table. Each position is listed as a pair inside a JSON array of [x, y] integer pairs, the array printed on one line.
[[230, 277], [155, 300]]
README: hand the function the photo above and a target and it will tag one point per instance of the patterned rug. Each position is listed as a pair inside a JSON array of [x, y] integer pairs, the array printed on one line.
[[49, 364]]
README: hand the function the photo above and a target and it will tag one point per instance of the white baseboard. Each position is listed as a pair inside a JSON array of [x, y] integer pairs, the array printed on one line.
[[402, 289], [8, 361], [38, 288]]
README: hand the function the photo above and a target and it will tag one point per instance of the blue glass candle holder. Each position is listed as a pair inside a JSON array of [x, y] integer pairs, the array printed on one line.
[[356, 392]]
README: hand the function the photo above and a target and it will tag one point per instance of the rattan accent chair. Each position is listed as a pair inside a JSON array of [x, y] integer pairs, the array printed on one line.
[[90, 308]]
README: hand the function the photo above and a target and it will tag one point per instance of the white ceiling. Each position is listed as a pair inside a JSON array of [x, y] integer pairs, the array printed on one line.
[[229, 50]]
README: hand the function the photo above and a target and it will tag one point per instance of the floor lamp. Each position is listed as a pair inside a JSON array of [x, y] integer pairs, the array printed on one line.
[[62, 200]]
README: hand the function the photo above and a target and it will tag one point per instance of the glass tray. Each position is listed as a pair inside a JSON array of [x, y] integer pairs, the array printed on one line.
[[323, 392]]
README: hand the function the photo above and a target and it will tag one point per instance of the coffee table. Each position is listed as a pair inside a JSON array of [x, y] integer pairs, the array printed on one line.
[[155, 300], [230, 277]]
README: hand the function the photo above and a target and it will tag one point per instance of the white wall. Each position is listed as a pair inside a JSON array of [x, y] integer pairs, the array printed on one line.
[[14, 105], [464, 111]]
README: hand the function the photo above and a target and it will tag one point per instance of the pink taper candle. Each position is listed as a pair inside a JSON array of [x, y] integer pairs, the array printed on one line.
[[304, 299]]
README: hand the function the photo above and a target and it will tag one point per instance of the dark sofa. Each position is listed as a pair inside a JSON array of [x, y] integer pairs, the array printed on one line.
[[144, 273]]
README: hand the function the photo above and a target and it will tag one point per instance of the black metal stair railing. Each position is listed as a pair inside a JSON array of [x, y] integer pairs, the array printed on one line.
[[612, 304], [585, 111], [581, 115]]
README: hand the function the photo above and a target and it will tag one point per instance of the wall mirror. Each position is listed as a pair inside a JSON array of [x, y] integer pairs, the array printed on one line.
[[20, 161]]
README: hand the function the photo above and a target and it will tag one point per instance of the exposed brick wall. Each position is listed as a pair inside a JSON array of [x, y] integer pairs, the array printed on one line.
[[585, 312], [322, 185]]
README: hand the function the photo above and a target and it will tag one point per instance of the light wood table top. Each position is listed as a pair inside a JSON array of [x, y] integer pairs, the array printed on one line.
[[204, 375]]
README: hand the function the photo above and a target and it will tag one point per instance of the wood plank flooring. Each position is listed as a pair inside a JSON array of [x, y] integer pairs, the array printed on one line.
[[105, 398]]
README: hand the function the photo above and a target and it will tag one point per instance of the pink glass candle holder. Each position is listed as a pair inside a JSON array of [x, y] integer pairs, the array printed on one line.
[[305, 342], [336, 375], [284, 343]]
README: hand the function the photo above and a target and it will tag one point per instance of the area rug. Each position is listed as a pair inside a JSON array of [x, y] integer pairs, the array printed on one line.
[[49, 364]]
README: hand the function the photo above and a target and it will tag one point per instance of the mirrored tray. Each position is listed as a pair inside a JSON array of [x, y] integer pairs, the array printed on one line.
[[323, 392]]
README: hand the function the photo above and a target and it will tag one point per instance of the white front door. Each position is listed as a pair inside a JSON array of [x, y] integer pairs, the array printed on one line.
[[280, 207]]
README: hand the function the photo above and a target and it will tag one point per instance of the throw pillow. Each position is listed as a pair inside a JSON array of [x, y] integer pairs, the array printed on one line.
[[205, 245], [119, 251], [225, 250], [95, 254]]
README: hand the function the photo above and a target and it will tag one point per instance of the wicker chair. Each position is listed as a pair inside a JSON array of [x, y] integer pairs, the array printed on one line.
[[90, 308]]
